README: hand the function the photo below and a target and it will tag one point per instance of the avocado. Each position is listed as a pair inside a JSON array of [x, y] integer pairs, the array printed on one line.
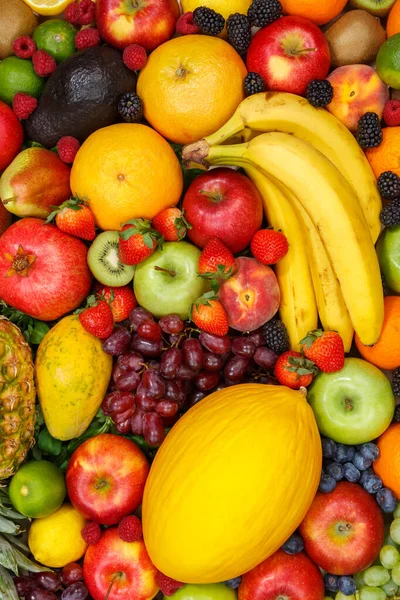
[[81, 96]]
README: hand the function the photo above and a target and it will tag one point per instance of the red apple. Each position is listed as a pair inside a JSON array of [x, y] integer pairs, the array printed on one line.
[[125, 566], [105, 478], [43, 271], [343, 531], [145, 22], [225, 204], [11, 135], [283, 576], [288, 54]]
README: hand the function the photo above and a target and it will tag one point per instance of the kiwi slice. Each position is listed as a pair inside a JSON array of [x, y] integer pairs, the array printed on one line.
[[379, 8], [104, 262]]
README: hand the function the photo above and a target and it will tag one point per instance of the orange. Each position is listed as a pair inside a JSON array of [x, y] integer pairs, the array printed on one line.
[[393, 22], [126, 171], [387, 466], [318, 11], [190, 86], [385, 354], [386, 157]]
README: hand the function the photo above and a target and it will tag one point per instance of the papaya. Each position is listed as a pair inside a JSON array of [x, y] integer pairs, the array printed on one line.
[[231, 482], [72, 376]]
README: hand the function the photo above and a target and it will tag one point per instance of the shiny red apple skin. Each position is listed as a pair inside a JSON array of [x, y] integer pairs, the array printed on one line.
[[149, 24], [105, 478], [11, 135], [360, 520], [272, 54], [111, 556], [283, 576], [225, 204]]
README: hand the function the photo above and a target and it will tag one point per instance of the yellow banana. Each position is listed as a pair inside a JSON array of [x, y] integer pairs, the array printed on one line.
[[280, 111], [332, 207]]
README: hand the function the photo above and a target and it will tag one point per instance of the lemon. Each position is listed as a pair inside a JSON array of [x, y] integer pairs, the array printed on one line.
[[57, 37], [18, 75], [56, 540], [48, 7]]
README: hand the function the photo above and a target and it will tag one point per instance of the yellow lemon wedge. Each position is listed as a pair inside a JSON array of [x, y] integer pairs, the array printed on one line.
[[48, 7]]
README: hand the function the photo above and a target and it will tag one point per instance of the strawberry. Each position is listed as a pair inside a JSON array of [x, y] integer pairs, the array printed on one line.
[[97, 318], [74, 217], [269, 246], [325, 349], [209, 315], [216, 260], [137, 241], [294, 370], [120, 299], [171, 224]]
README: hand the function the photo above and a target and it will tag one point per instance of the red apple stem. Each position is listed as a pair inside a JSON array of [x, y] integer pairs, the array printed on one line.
[[101, 484], [172, 273], [213, 197], [113, 580], [303, 51]]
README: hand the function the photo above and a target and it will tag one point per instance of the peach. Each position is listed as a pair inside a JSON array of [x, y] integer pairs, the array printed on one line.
[[251, 296], [357, 90]]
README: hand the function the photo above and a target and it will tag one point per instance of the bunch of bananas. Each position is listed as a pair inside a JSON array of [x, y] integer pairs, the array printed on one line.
[[318, 188]]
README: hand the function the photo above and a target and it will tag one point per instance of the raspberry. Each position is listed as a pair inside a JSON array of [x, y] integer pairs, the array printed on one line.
[[23, 105], [130, 529], [185, 24], [391, 113], [91, 533], [43, 63], [67, 148], [167, 585], [86, 38], [72, 13], [24, 46], [134, 57], [87, 12]]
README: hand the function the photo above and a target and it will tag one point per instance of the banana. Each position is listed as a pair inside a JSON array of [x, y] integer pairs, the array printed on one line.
[[280, 111], [330, 203]]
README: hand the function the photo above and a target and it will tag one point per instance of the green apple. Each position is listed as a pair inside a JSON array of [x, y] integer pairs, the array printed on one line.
[[354, 405], [209, 591], [388, 250], [167, 281]]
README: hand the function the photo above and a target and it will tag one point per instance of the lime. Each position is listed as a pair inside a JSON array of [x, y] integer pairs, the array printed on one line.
[[37, 489], [57, 37], [209, 591], [388, 62], [18, 75]]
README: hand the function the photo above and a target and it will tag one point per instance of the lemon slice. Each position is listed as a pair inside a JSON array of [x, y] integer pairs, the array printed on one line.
[[48, 7]]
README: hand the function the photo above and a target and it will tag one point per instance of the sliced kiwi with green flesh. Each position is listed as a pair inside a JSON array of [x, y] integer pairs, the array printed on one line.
[[104, 262], [379, 8]]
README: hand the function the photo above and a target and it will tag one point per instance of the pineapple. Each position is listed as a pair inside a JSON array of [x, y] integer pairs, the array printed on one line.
[[17, 398]]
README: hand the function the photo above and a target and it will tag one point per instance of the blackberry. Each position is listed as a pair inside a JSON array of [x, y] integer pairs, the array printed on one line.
[[264, 12], [390, 214], [389, 185], [396, 416], [396, 386], [253, 84], [209, 21], [386, 289], [276, 336], [369, 134], [319, 92], [238, 29], [130, 107]]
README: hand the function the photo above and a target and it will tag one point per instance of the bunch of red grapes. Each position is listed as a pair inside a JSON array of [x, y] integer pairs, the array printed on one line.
[[66, 584]]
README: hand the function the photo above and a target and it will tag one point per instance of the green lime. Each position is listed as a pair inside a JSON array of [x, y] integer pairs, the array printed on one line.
[[37, 489], [57, 37], [18, 75], [388, 62]]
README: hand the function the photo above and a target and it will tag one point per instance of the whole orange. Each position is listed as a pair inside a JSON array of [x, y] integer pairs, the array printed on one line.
[[393, 22], [126, 171], [385, 354], [386, 157], [190, 86], [387, 466], [319, 12]]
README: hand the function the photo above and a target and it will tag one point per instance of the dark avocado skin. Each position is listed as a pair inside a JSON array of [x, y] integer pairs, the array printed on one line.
[[81, 96]]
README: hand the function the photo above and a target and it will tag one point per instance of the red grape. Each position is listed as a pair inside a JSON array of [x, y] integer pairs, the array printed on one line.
[[166, 408], [122, 416], [146, 404], [118, 402], [137, 422], [146, 347], [192, 354], [76, 591], [117, 342], [48, 580], [207, 380], [212, 362], [40, 594], [150, 330], [154, 384], [154, 364], [242, 346], [171, 390], [153, 429], [215, 343], [127, 381], [185, 373], [71, 573], [256, 337], [182, 392], [137, 316], [171, 360], [196, 396], [175, 339], [235, 368], [131, 361], [23, 585], [124, 427], [171, 324], [265, 357]]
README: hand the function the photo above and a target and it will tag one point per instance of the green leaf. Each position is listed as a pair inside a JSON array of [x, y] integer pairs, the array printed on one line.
[[48, 444], [7, 526], [24, 563], [8, 556], [17, 543], [148, 240], [7, 587], [38, 332]]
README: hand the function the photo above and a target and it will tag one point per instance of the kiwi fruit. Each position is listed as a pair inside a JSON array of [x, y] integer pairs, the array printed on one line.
[[16, 19], [104, 262], [379, 8], [355, 38]]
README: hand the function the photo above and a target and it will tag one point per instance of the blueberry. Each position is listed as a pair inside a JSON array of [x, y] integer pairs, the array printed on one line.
[[294, 544], [347, 585], [344, 453], [372, 484], [335, 470], [360, 462], [386, 500], [350, 472], [233, 583], [331, 582], [365, 474], [327, 483], [328, 448], [370, 451]]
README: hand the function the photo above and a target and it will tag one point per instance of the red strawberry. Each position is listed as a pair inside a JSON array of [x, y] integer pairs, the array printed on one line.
[[269, 246], [137, 241], [216, 259], [171, 224], [209, 315], [97, 318], [74, 217], [293, 370], [120, 299], [325, 349]]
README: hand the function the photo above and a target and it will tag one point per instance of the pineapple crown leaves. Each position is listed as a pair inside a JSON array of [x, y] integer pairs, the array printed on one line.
[[74, 203], [32, 329], [182, 225], [144, 228], [301, 366], [310, 338]]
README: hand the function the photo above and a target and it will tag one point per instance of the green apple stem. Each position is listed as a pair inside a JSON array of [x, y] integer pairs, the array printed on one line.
[[172, 273], [113, 580]]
